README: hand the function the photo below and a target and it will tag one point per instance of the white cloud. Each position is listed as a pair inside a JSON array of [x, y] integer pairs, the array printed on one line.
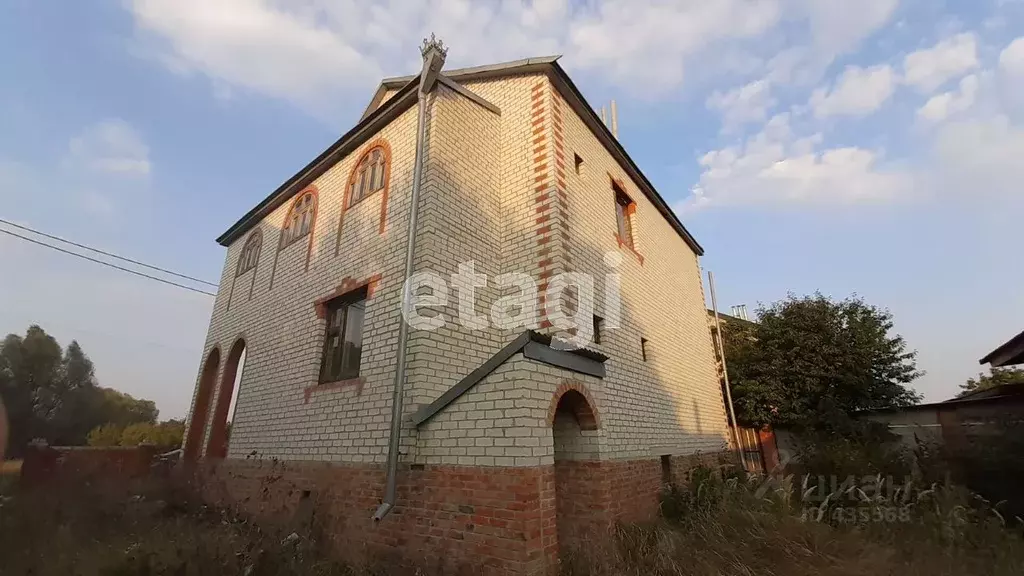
[[979, 157], [776, 167], [111, 147], [858, 92], [321, 54], [942, 106], [839, 26], [1011, 59], [929, 69], [749, 103]]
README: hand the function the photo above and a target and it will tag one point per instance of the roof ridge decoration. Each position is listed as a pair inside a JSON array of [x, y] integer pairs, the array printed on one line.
[[433, 43]]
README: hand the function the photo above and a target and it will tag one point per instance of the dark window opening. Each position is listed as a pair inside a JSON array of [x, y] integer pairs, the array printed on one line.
[[598, 326], [666, 470], [343, 342], [643, 348], [579, 164], [624, 208]]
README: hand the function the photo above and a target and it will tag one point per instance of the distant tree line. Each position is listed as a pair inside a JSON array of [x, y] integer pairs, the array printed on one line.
[[51, 393]]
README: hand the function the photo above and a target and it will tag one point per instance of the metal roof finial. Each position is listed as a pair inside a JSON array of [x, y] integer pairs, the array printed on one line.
[[433, 43]]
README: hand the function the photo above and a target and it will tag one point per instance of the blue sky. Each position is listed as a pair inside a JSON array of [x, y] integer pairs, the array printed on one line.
[[867, 147]]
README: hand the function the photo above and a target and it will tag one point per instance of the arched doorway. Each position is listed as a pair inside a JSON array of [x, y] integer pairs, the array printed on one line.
[[201, 409], [578, 478], [217, 447]]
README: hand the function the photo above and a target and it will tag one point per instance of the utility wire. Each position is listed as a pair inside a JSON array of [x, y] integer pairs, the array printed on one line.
[[98, 251], [115, 266]]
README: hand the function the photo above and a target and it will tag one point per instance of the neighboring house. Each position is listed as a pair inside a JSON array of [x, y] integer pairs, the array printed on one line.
[[954, 423], [1009, 354], [509, 445]]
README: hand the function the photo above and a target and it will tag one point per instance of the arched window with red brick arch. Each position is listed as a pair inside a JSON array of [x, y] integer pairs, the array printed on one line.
[[250, 255], [370, 175], [300, 220]]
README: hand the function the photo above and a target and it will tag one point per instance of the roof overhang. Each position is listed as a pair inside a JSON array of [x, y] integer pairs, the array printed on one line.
[[1010, 353], [549, 65], [367, 127], [377, 115]]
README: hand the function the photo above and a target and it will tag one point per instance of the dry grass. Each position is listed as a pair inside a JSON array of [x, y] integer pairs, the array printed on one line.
[[146, 528], [719, 528], [725, 528]]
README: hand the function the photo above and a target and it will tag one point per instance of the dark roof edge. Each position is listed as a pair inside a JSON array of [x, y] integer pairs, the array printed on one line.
[[604, 134], [547, 65], [581, 360], [469, 94], [585, 111], [476, 72], [361, 132], [1017, 340]]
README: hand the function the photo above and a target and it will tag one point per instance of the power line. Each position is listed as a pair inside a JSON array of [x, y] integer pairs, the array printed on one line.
[[98, 251], [114, 266]]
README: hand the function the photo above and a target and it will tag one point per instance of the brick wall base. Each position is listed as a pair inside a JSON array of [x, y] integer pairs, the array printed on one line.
[[482, 520]]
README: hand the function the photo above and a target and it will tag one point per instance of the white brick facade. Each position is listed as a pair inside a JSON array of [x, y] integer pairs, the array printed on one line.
[[479, 203]]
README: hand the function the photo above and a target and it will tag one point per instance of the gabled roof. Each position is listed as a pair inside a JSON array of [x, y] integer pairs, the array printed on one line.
[[367, 127], [406, 96]]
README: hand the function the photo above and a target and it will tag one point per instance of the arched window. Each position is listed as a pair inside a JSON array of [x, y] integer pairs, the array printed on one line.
[[250, 253], [369, 176], [300, 219]]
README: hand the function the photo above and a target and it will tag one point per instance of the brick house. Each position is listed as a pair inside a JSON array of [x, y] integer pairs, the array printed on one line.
[[507, 443]]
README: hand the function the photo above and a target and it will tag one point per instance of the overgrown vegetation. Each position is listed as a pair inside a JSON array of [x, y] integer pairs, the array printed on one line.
[[149, 528], [743, 526]]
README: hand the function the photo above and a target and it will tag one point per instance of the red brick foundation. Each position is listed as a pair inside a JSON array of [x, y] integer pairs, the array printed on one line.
[[484, 520]]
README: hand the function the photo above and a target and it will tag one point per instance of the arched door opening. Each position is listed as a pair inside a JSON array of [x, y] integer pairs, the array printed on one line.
[[217, 447], [574, 429], [201, 409]]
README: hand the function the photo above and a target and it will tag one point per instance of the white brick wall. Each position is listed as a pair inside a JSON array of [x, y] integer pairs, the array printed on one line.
[[477, 203]]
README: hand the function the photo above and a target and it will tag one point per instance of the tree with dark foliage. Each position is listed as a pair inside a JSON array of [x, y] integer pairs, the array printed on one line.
[[812, 362], [52, 393]]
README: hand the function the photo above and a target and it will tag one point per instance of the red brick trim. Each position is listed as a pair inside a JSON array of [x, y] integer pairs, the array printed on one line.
[[586, 411], [348, 284], [217, 444], [357, 382], [201, 406], [630, 248], [384, 146], [630, 211], [315, 192]]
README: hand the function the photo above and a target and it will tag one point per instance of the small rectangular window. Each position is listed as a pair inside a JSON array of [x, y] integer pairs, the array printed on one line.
[[624, 208], [666, 470], [598, 326], [643, 348], [579, 164], [343, 341]]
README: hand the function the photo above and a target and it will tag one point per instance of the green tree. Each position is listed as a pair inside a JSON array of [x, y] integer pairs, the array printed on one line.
[[167, 434], [105, 435], [812, 362], [52, 393], [998, 377]]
